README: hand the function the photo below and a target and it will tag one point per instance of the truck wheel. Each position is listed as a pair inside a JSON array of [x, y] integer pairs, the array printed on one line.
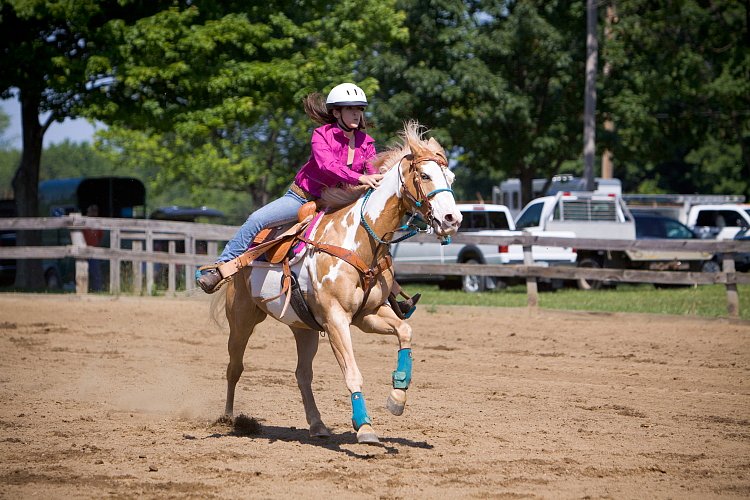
[[472, 283], [589, 284], [710, 266]]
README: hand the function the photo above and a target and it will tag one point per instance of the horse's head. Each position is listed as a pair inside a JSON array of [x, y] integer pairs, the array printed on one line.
[[427, 186]]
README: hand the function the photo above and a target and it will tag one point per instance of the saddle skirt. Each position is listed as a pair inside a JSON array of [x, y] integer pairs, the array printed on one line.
[[276, 279], [286, 247]]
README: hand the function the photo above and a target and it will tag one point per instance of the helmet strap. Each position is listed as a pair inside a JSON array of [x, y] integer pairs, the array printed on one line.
[[342, 126]]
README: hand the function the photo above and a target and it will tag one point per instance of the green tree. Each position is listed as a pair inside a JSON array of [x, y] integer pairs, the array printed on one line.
[[194, 77], [500, 82], [219, 100], [47, 52], [679, 95], [75, 159], [8, 159], [4, 124]]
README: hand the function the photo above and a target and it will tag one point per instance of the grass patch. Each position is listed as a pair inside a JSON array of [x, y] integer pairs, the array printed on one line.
[[704, 301]]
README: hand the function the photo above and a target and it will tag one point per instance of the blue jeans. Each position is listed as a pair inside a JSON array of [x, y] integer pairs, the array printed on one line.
[[279, 211]]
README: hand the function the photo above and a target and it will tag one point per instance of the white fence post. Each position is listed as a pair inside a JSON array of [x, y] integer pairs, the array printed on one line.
[[733, 298], [532, 295], [114, 262], [82, 264]]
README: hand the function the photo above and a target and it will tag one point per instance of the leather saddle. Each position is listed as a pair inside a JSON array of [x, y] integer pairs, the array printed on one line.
[[276, 253]]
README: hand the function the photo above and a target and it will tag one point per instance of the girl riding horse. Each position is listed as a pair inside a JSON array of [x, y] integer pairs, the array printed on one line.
[[342, 153], [345, 277]]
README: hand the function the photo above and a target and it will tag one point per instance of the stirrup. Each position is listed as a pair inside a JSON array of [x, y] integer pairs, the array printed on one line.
[[219, 284], [404, 308]]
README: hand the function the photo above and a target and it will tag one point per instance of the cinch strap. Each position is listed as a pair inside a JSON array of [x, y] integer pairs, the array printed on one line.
[[402, 375]]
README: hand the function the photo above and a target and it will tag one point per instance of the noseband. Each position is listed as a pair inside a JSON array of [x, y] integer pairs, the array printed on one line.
[[422, 198]]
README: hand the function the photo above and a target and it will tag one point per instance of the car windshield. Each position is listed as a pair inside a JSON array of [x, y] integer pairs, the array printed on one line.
[[530, 217], [676, 231], [661, 227], [481, 220]]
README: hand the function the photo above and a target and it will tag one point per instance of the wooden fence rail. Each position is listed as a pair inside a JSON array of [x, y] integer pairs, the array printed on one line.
[[132, 241]]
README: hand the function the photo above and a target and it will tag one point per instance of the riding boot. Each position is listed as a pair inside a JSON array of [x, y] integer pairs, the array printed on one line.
[[403, 308], [210, 279], [409, 305]]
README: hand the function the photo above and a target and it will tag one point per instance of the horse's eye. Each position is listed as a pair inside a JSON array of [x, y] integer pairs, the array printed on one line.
[[425, 177]]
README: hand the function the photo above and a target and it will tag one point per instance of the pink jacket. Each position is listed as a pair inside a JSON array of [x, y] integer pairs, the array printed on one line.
[[327, 164]]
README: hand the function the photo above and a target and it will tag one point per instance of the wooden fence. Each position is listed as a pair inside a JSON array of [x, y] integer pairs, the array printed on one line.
[[132, 241]]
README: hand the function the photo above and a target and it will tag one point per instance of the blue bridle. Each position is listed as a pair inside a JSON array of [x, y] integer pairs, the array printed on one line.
[[424, 200]]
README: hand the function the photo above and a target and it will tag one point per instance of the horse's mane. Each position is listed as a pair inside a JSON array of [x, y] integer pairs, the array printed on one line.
[[412, 141], [337, 197]]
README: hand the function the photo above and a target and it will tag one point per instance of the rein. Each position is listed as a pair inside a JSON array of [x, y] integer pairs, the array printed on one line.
[[369, 274]]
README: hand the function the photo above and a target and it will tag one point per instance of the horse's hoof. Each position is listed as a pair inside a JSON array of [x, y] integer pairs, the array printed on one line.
[[396, 401], [319, 431], [366, 435]]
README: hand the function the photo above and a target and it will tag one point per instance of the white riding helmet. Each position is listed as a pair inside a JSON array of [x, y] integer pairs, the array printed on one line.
[[346, 94]]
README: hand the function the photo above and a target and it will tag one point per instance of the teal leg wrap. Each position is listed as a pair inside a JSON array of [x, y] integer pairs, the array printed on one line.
[[402, 375], [408, 314], [359, 411]]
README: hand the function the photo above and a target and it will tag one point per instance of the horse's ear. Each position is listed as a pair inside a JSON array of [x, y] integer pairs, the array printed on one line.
[[434, 145]]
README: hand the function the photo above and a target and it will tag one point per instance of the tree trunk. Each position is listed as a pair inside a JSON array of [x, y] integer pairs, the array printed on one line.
[[527, 184], [29, 273], [589, 107]]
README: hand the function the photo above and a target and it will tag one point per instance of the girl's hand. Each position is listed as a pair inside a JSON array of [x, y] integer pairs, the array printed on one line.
[[371, 180]]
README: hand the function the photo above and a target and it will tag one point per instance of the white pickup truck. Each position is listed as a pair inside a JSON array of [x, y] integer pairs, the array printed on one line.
[[487, 220], [603, 216], [720, 222]]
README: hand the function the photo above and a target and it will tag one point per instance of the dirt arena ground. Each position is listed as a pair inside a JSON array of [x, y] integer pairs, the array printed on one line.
[[119, 398]]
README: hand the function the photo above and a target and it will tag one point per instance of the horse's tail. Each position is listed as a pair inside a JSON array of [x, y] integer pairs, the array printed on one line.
[[219, 304]]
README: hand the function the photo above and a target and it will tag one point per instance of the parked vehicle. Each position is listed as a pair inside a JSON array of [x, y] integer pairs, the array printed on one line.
[[606, 216], [7, 239], [123, 197], [720, 222], [508, 193], [484, 219], [741, 259], [709, 216], [654, 226], [651, 226]]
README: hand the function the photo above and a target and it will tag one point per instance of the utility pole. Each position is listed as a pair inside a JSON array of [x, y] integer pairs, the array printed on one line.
[[589, 107], [609, 124]]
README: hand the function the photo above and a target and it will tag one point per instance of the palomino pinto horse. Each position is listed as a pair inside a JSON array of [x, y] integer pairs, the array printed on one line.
[[338, 295]]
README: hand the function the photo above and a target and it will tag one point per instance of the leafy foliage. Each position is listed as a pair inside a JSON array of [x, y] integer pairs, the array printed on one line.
[[679, 95], [202, 98], [501, 82], [214, 102]]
